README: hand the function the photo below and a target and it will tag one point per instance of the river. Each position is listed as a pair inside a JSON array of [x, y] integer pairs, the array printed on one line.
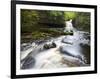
[[70, 51]]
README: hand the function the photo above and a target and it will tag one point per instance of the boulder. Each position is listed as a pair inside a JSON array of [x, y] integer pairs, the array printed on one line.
[[63, 50], [68, 40], [25, 46], [50, 45], [87, 36], [28, 63]]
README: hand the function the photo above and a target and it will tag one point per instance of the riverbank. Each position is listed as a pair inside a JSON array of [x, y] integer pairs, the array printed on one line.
[[43, 34]]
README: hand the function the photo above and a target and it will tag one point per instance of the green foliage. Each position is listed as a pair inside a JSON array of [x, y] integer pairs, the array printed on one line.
[[33, 19], [37, 23], [70, 15], [29, 20], [82, 22], [45, 33]]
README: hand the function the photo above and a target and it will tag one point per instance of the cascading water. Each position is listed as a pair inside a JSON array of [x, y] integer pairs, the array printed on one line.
[[70, 51], [69, 26]]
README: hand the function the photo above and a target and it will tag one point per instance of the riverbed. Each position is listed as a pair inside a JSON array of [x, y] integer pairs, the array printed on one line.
[[59, 52]]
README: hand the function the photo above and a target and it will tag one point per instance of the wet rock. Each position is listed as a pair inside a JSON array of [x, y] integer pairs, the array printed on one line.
[[63, 50], [25, 46], [86, 51], [68, 40], [40, 41], [48, 46], [28, 63], [85, 44], [73, 62], [87, 36]]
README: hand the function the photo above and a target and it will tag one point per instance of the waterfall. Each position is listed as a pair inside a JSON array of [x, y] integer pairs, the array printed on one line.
[[69, 26]]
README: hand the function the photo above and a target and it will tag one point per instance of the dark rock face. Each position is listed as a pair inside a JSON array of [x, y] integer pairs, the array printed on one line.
[[28, 63], [48, 46]]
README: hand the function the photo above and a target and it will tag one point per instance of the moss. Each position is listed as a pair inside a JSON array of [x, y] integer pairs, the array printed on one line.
[[47, 33], [42, 34], [39, 35]]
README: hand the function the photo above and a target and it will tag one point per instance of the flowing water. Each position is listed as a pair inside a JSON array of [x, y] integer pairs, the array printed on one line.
[[70, 51]]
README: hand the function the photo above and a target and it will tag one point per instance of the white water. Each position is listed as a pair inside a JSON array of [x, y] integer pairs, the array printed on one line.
[[52, 58], [49, 58], [69, 26]]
